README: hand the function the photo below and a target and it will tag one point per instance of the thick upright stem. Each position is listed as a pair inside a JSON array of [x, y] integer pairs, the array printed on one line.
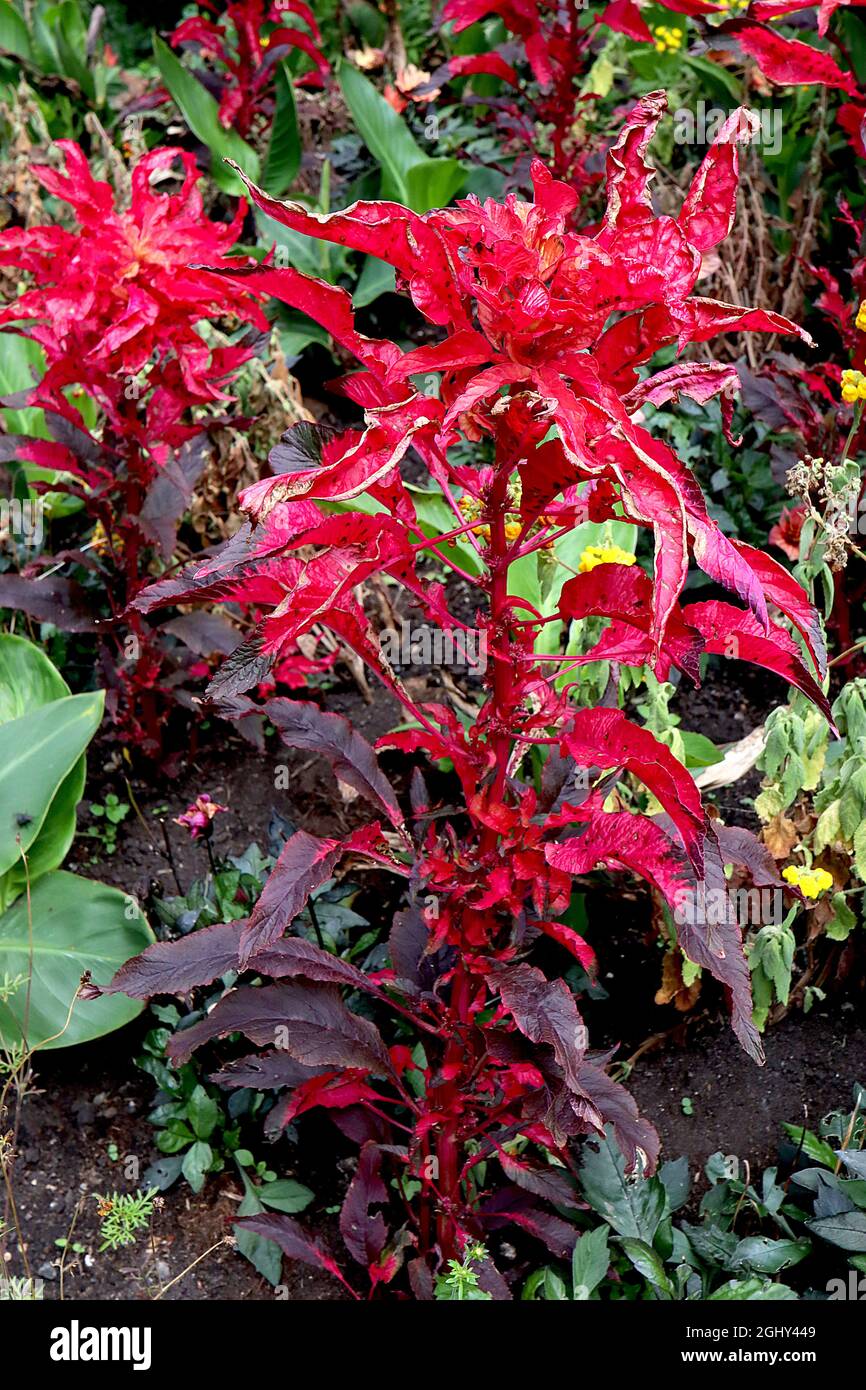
[[458, 1057]]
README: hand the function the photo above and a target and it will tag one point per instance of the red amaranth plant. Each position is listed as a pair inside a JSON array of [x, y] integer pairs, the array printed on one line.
[[246, 43], [543, 334], [554, 43], [117, 307]]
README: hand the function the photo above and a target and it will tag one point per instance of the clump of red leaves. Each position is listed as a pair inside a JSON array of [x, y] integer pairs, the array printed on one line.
[[554, 51], [245, 45], [543, 334], [117, 305]]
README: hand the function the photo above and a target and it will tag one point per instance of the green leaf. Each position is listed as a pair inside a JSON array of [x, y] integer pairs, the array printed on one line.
[[22, 364], [201, 113], [78, 926], [376, 278], [173, 1141], [811, 1145], [263, 1254], [14, 37], [408, 174], [196, 1164], [386, 136], [847, 1230], [700, 751], [633, 1207], [285, 1195], [676, 1181], [37, 752], [589, 1262], [29, 680], [753, 1290], [718, 78], [844, 920], [768, 1256], [647, 1263], [432, 183], [284, 151], [202, 1113], [70, 38]]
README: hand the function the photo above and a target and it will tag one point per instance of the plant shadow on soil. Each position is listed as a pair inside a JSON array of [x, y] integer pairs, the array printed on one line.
[[93, 1097]]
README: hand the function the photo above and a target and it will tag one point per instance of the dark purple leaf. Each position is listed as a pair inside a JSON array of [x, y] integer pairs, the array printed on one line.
[[171, 491], [264, 1071], [300, 448], [245, 667], [296, 956], [552, 1184], [511, 1206], [407, 942], [364, 1232], [616, 1106], [293, 1241], [310, 1022], [303, 725], [305, 863], [545, 1012], [206, 634], [50, 600], [175, 967]]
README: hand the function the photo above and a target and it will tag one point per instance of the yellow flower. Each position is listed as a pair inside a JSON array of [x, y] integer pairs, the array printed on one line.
[[470, 507], [811, 882], [854, 383], [603, 555], [860, 321], [667, 38]]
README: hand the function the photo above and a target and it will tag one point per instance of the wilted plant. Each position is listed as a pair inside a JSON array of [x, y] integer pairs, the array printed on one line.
[[466, 1111]]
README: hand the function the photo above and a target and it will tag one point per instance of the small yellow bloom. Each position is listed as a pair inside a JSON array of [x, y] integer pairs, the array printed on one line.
[[603, 555], [854, 383], [100, 543], [667, 38], [470, 507], [860, 321], [811, 882]]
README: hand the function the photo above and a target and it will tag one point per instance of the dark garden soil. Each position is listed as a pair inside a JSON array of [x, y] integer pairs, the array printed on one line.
[[92, 1103]]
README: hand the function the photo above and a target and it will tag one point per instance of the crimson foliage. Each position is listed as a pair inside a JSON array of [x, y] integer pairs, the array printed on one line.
[[116, 304], [543, 333], [246, 43]]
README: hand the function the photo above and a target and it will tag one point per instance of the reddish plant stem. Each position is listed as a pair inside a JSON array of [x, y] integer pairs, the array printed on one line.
[[460, 1054]]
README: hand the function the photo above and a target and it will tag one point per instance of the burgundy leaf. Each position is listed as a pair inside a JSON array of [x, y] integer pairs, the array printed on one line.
[[295, 956], [49, 600], [614, 1105], [293, 1241], [175, 967], [545, 1012], [310, 1022], [304, 864], [263, 1071], [512, 1206], [364, 1232], [171, 491], [303, 725], [552, 1184]]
